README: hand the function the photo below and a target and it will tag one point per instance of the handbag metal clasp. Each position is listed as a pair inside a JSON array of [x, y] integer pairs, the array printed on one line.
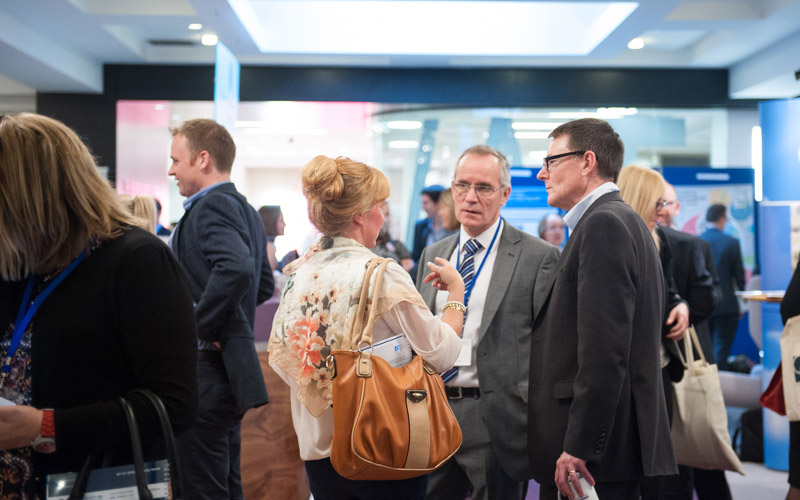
[[330, 364], [416, 395]]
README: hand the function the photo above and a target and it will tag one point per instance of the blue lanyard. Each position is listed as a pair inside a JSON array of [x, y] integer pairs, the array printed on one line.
[[458, 260], [25, 314]]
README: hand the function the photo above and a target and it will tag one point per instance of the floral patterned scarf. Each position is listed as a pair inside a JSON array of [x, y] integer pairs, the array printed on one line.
[[317, 311]]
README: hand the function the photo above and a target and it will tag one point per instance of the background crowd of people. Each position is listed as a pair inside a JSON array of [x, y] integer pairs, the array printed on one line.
[[558, 357]]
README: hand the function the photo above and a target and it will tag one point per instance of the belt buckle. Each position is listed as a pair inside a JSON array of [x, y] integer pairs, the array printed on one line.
[[459, 393]]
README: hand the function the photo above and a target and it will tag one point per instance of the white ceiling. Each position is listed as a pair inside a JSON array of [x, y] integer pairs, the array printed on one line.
[[61, 45]]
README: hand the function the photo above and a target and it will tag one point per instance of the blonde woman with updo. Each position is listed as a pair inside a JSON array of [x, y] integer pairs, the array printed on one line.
[[318, 304]]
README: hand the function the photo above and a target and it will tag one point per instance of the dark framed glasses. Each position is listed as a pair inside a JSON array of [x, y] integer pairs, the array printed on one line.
[[548, 159]]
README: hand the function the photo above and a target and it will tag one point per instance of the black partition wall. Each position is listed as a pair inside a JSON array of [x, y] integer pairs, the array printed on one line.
[[93, 116]]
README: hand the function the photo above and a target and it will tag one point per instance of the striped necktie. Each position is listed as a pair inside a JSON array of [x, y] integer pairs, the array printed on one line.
[[467, 271]]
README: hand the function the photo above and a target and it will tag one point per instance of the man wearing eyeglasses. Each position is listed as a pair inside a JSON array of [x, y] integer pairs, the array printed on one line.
[[505, 272], [596, 399]]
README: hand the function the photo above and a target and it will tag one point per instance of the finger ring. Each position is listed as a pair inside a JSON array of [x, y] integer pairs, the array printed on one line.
[[572, 472]]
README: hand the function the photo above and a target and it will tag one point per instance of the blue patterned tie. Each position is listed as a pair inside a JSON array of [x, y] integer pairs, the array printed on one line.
[[467, 271]]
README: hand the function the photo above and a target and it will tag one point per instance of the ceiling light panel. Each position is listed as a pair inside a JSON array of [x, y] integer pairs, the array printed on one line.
[[397, 27]]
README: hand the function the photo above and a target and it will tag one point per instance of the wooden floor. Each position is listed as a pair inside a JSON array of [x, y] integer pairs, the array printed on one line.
[[271, 465]]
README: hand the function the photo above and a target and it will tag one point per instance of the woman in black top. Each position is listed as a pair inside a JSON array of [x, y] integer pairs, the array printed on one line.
[[108, 307]]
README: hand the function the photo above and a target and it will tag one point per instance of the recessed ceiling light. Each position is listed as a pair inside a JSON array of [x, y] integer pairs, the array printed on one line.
[[404, 125], [209, 39], [636, 44], [195, 26]]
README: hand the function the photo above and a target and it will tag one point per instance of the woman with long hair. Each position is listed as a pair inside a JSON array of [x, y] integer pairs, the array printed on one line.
[[91, 308]]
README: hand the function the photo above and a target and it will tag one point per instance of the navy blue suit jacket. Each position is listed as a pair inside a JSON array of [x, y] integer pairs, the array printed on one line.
[[221, 245], [728, 262], [421, 230]]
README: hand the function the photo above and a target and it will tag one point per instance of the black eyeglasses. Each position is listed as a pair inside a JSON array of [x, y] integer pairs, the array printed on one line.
[[548, 159]]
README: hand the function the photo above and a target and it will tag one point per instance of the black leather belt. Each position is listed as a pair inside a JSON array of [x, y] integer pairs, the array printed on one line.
[[462, 392]]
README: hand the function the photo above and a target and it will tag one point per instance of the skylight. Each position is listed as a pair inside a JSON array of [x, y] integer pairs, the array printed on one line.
[[430, 28]]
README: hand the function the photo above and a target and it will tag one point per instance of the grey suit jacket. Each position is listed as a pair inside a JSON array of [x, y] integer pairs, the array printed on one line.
[[221, 245], [516, 292], [596, 390]]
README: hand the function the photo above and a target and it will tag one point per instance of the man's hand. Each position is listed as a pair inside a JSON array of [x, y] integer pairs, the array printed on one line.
[[679, 319], [567, 469], [19, 426]]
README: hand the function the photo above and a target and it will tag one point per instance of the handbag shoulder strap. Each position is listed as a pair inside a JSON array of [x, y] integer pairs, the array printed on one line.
[[136, 447], [169, 441], [361, 333], [366, 335], [363, 297]]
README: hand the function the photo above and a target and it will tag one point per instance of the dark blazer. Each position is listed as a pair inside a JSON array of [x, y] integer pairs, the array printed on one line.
[[520, 274], [695, 280], [728, 262], [221, 246], [675, 368], [596, 390], [421, 230]]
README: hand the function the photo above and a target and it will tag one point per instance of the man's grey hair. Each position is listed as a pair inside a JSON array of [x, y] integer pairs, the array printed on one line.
[[484, 150]]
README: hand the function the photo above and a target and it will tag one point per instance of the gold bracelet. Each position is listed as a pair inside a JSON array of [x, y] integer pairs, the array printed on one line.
[[454, 304]]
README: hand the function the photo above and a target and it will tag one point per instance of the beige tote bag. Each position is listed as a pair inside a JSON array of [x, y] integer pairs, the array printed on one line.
[[790, 367], [699, 422]]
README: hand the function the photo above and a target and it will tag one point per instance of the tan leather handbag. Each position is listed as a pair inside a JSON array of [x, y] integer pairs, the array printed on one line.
[[389, 423]]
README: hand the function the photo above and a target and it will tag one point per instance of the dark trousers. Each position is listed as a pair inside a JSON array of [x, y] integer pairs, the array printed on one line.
[[327, 484], [709, 484], [210, 452], [794, 454], [474, 471], [618, 490], [723, 331]]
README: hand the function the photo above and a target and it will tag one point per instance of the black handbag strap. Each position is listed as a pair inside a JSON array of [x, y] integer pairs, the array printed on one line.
[[136, 448], [82, 480], [169, 441]]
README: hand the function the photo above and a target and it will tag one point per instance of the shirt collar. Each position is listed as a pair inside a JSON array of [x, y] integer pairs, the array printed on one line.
[[187, 203], [576, 212], [485, 238]]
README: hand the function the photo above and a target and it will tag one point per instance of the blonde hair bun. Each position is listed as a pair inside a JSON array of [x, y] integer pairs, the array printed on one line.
[[322, 179], [339, 189]]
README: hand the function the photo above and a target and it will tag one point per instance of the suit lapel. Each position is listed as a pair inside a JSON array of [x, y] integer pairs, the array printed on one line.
[[508, 251], [573, 237], [428, 292]]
